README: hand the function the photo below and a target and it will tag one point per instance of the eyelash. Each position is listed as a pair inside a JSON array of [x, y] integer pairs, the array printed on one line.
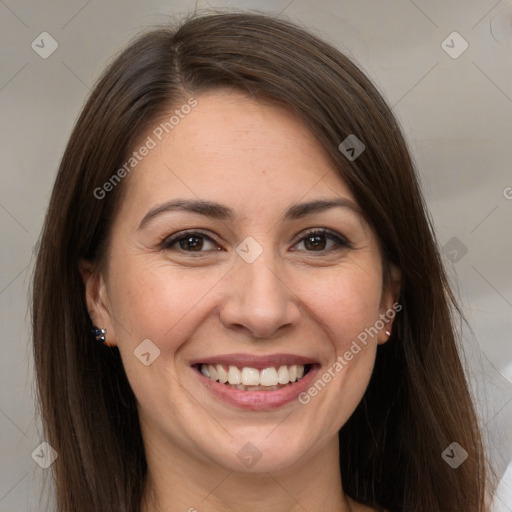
[[340, 241]]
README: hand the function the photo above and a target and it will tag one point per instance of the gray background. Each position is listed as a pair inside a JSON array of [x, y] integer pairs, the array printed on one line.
[[456, 114]]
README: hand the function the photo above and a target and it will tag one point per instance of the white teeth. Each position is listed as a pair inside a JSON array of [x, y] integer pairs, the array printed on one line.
[[222, 374], [213, 372], [269, 377], [234, 375], [250, 377], [283, 375]]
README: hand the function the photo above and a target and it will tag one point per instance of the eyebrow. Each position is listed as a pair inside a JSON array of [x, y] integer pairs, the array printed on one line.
[[221, 212]]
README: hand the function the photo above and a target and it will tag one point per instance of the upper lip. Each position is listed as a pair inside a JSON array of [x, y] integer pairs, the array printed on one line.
[[255, 361]]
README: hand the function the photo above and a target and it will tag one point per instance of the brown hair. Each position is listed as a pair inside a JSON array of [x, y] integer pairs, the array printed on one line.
[[417, 401]]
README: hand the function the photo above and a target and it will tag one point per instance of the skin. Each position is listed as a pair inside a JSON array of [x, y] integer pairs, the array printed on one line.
[[294, 298]]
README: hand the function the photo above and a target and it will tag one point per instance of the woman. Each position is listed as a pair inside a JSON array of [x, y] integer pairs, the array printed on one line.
[[237, 221]]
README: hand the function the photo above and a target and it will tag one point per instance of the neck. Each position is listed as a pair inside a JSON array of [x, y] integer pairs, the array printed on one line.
[[178, 482]]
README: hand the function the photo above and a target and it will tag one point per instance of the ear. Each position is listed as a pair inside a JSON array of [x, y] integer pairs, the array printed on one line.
[[389, 305], [96, 299]]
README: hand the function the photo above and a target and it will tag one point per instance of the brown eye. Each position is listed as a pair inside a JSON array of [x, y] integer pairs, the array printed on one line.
[[189, 242], [323, 241], [315, 242]]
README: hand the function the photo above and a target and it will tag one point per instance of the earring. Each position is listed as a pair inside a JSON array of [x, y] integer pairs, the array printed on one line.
[[388, 333], [99, 334]]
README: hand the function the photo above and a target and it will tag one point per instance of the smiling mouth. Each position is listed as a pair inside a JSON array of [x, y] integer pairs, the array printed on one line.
[[247, 378]]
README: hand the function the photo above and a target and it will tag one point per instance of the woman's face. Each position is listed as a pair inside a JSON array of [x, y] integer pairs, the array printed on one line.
[[251, 282]]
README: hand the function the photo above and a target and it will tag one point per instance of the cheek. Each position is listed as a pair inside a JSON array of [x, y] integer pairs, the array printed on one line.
[[162, 304], [345, 303], [157, 302], [344, 309]]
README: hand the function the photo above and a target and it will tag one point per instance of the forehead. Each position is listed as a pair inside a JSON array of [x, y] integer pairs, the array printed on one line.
[[233, 147]]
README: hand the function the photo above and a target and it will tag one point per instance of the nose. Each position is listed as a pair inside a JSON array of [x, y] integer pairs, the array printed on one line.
[[258, 300]]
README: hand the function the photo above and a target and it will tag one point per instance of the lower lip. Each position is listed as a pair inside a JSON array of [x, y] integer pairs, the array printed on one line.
[[259, 400]]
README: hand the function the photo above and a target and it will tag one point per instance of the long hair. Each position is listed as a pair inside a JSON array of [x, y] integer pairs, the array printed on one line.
[[417, 402]]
